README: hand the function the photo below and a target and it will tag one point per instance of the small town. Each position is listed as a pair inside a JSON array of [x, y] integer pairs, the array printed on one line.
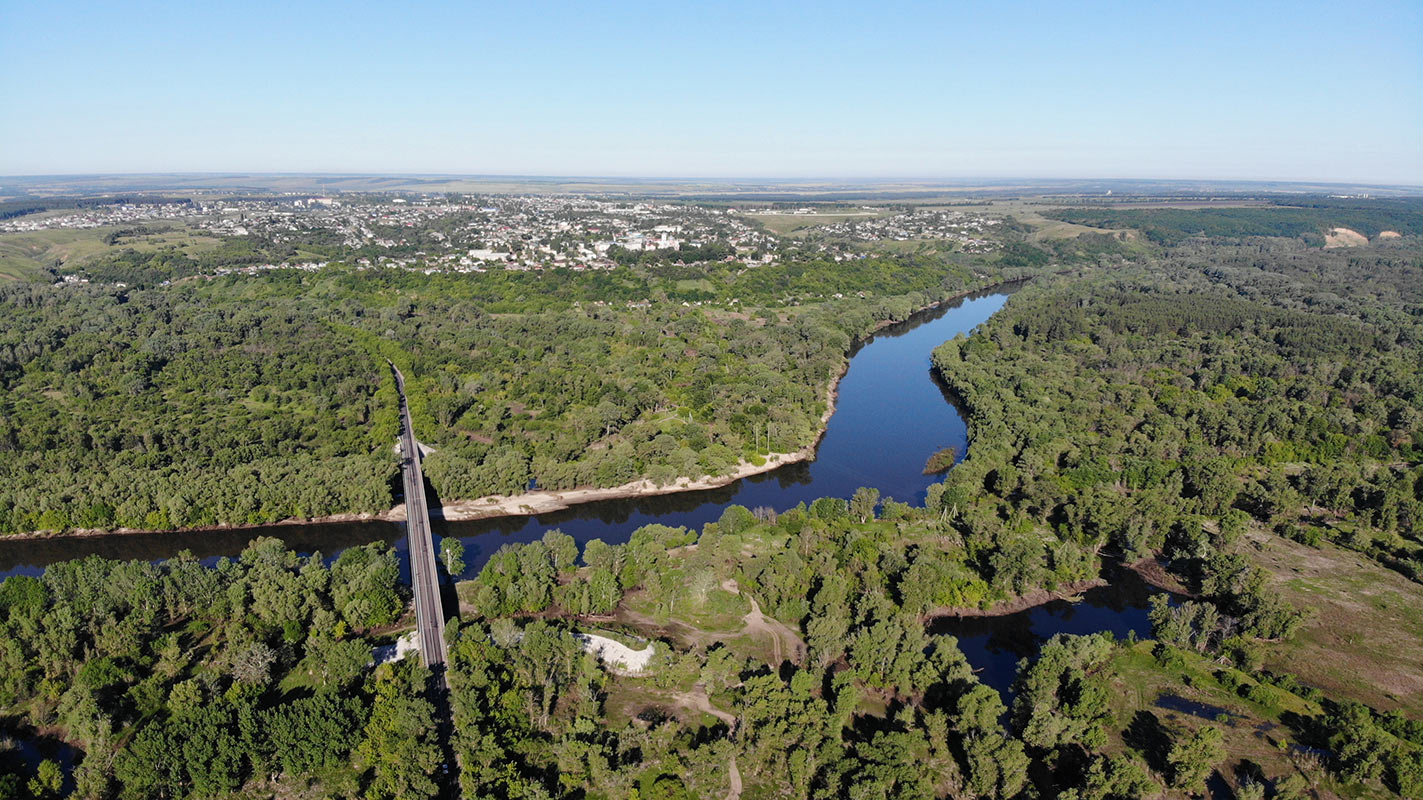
[[474, 233]]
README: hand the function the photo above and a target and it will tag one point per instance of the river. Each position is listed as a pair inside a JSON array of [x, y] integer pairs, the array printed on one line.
[[891, 414]]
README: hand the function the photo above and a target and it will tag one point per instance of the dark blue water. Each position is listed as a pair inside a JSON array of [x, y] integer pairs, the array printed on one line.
[[996, 645], [22, 750]]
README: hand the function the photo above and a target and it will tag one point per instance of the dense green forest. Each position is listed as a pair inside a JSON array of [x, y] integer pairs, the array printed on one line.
[[159, 410], [176, 679], [1169, 226], [250, 399], [1174, 411], [1141, 410]]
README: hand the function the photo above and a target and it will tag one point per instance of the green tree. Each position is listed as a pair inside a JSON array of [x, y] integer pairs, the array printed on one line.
[[452, 556], [1192, 758], [398, 746], [48, 780]]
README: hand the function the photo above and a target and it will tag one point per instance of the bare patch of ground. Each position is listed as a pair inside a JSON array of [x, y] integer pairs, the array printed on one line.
[[1155, 574], [395, 652], [785, 643], [1344, 237], [1364, 639], [698, 700]]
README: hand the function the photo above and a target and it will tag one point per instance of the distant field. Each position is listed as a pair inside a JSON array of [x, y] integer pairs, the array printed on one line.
[[1044, 228], [1185, 204], [1029, 213], [23, 255], [1169, 226], [790, 224]]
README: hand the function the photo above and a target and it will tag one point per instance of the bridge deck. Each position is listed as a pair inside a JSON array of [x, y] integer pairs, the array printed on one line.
[[424, 579]]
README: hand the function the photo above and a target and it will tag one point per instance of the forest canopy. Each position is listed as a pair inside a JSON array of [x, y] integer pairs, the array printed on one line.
[[1170, 226]]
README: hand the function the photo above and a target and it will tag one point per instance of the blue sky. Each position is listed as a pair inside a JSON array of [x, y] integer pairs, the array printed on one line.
[[1288, 91]]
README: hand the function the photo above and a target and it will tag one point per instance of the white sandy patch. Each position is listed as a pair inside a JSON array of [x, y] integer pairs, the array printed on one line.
[[409, 643], [616, 654]]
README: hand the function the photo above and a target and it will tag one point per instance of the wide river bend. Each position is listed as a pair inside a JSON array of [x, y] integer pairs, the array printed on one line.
[[891, 414]]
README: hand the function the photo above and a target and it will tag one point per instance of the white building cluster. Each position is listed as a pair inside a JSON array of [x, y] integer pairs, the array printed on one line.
[[99, 216], [475, 233], [969, 231]]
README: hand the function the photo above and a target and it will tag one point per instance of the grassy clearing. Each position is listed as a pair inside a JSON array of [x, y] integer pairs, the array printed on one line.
[[24, 255], [633, 698], [690, 284], [1365, 638], [714, 610], [1044, 228], [1259, 736]]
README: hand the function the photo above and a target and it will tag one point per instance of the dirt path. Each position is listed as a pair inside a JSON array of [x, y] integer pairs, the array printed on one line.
[[697, 699], [755, 622]]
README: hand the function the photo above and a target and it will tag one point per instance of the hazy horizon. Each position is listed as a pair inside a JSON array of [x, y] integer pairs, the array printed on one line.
[[903, 91], [218, 180]]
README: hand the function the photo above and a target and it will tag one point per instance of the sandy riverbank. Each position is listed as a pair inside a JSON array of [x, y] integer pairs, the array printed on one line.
[[543, 502]]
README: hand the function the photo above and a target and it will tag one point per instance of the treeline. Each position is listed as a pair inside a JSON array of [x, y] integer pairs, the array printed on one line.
[[855, 578], [1141, 413], [159, 409], [246, 400], [687, 253], [1171, 226], [10, 209], [177, 679]]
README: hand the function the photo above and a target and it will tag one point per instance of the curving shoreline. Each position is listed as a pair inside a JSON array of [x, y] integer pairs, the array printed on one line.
[[546, 501]]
